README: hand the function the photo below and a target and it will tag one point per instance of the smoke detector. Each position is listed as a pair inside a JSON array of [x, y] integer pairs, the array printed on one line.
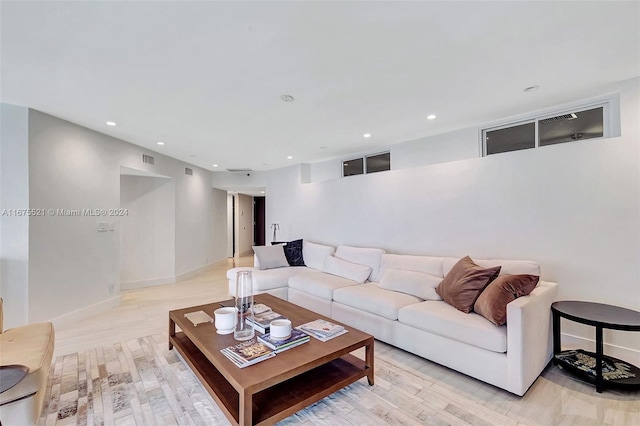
[[287, 98]]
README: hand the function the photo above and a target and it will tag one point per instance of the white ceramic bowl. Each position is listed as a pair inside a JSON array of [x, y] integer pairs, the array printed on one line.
[[225, 319]]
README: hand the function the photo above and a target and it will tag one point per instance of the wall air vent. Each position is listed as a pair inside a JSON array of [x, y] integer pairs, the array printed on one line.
[[148, 159], [188, 171], [239, 170], [559, 118]]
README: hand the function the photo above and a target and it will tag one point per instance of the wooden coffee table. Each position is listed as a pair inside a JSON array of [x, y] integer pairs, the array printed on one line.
[[271, 390]]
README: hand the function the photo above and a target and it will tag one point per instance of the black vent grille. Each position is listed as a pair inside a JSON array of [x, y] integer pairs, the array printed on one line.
[[188, 171], [148, 159]]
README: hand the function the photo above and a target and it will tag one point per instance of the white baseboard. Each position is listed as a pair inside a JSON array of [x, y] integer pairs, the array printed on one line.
[[630, 355], [87, 311], [130, 285], [190, 274]]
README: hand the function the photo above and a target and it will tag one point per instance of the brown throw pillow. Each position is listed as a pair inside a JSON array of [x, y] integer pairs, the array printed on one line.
[[463, 284], [492, 303]]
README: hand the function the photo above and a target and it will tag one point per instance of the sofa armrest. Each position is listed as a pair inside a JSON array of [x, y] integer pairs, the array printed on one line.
[[529, 336]]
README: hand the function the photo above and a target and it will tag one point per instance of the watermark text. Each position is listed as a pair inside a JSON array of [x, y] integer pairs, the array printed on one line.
[[65, 212]]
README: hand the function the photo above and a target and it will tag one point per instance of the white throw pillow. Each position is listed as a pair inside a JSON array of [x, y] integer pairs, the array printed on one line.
[[345, 269], [314, 254], [270, 257], [410, 282], [363, 256]]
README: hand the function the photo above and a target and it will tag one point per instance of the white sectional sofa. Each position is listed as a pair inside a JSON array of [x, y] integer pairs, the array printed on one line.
[[509, 356]]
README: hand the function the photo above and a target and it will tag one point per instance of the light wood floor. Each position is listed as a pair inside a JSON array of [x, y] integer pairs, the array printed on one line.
[[554, 399]]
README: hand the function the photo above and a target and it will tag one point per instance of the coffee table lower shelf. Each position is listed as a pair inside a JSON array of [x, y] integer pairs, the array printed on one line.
[[280, 400]]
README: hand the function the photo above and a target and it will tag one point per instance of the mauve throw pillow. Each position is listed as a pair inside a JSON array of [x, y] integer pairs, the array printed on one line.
[[293, 253], [492, 302], [464, 282]]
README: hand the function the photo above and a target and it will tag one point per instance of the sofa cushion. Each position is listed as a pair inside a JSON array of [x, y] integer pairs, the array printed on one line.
[[269, 279], [425, 264], [507, 267], [445, 320], [314, 254], [293, 253], [463, 284], [410, 282], [371, 298], [321, 285], [345, 269], [492, 302], [364, 256], [270, 257]]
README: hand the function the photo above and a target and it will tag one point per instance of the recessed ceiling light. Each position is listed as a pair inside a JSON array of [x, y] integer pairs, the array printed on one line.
[[111, 123], [531, 89], [160, 143], [262, 192], [290, 157], [215, 165], [431, 117], [366, 135]]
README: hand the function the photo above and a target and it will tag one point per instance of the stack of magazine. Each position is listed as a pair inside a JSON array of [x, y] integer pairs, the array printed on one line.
[[263, 315], [261, 322], [248, 353], [297, 338], [322, 330]]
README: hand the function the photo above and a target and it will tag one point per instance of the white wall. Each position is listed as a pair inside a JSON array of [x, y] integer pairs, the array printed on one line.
[[457, 145], [574, 208], [71, 265], [194, 220], [230, 180], [219, 226], [147, 232], [452, 146], [14, 229]]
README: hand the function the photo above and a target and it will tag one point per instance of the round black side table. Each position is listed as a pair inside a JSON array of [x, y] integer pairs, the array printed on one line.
[[600, 316]]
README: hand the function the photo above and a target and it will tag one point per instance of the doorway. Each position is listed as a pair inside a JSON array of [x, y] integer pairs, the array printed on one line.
[[246, 216], [258, 221]]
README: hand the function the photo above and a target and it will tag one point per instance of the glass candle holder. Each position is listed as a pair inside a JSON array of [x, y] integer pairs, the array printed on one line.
[[244, 303]]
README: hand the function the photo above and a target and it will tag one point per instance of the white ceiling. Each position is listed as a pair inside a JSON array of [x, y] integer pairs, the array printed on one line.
[[206, 77]]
